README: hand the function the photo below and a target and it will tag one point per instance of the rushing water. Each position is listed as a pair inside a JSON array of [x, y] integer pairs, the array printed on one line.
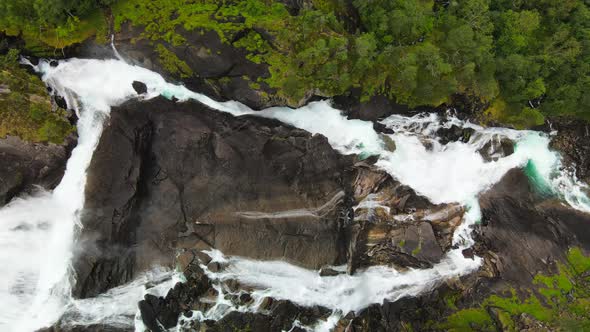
[[37, 234]]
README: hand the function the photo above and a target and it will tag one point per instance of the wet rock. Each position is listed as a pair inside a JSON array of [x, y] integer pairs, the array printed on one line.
[[395, 226], [496, 149], [265, 304], [388, 142], [522, 231], [573, 141], [86, 328], [407, 246], [54, 63], [169, 176], [139, 87], [24, 165], [375, 109], [214, 267], [328, 272], [60, 101], [217, 68], [162, 313], [468, 253], [454, 134]]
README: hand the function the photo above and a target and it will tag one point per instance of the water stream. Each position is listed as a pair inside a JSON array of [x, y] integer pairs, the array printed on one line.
[[37, 233]]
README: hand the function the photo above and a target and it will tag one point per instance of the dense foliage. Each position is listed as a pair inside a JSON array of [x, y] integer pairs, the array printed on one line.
[[525, 59], [46, 25]]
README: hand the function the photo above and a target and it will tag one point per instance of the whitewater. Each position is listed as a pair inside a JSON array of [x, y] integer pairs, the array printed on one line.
[[38, 233]]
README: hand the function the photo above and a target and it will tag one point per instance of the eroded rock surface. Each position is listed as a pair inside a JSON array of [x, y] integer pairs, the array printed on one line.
[[169, 176]]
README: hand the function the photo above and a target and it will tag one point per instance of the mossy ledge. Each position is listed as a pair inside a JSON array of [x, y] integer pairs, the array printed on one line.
[[26, 109], [560, 301]]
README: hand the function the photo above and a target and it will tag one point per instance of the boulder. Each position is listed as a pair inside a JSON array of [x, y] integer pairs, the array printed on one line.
[[139, 87], [496, 149], [454, 134]]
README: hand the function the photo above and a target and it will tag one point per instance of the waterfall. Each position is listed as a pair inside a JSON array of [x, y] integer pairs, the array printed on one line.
[[37, 233]]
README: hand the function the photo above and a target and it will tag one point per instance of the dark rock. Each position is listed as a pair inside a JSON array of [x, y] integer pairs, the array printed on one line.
[[86, 328], [573, 141], [33, 59], [214, 267], [169, 176], [236, 321], [454, 134], [381, 128], [328, 272], [60, 101], [375, 109], [468, 253], [54, 63], [219, 70], [162, 313], [24, 165], [139, 87], [403, 246], [525, 231], [496, 149]]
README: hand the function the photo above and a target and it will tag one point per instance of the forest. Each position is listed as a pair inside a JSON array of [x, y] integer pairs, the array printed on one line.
[[524, 59]]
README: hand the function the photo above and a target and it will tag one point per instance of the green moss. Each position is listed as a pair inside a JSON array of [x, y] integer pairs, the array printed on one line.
[[578, 262], [514, 306], [172, 63], [469, 320], [417, 250], [451, 299], [25, 107], [561, 300], [505, 321], [49, 40]]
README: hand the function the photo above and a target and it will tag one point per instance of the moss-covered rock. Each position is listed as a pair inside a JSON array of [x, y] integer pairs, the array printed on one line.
[[559, 301], [26, 110]]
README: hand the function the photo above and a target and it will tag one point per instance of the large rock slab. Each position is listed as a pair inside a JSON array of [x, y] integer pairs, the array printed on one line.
[[523, 232], [168, 176]]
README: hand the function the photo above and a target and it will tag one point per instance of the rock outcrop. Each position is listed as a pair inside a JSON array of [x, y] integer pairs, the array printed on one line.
[[573, 140], [24, 165], [217, 69], [169, 176], [395, 226], [523, 232]]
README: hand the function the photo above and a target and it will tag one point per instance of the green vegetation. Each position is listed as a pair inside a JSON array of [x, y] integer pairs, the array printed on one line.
[[561, 302], [25, 107], [47, 25], [524, 59]]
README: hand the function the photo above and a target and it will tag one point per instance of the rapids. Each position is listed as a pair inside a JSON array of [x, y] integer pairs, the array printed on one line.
[[38, 233]]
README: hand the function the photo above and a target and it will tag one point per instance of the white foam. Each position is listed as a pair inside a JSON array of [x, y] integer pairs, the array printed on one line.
[[36, 288]]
